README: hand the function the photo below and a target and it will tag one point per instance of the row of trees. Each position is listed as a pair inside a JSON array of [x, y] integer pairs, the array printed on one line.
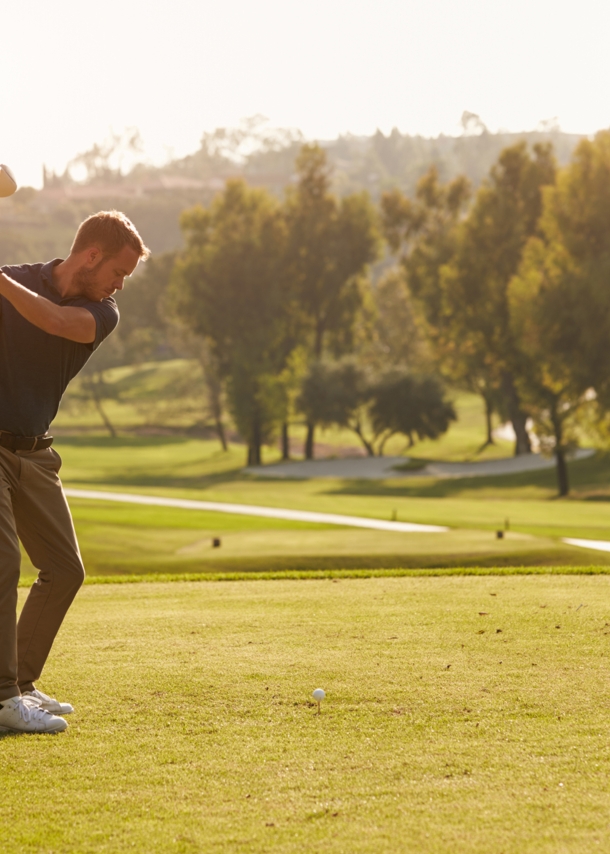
[[503, 292], [514, 287], [279, 292]]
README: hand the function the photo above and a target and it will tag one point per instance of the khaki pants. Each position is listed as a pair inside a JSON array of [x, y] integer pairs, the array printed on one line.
[[33, 509]]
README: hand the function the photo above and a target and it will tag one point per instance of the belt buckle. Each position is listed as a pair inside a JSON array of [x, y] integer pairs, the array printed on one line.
[[34, 443]]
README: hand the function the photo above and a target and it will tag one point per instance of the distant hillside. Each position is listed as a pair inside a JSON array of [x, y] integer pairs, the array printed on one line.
[[40, 224]]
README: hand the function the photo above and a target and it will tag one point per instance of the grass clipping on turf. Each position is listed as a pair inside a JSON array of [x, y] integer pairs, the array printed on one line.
[[463, 715]]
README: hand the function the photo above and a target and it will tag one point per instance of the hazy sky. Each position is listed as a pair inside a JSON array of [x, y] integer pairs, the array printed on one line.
[[70, 71]]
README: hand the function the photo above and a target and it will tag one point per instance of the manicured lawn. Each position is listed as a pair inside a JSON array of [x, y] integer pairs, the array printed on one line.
[[127, 539], [118, 538], [171, 395], [463, 714]]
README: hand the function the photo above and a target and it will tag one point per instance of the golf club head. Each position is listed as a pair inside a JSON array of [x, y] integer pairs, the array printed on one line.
[[8, 185]]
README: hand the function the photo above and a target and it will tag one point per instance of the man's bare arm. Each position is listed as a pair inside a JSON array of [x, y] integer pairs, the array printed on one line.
[[66, 321]]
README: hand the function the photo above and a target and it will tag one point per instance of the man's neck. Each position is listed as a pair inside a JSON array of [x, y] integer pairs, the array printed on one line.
[[63, 274]]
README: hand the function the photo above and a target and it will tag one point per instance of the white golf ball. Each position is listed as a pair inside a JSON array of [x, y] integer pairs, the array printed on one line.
[[319, 694]]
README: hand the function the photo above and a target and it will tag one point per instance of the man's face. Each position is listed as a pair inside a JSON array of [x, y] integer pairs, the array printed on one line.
[[101, 277]]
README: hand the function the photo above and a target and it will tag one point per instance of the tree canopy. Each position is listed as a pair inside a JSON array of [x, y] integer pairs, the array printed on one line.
[[231, 287], [560, 301]]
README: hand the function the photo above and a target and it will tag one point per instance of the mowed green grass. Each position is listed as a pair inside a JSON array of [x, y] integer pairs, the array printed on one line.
[[128, 539], [170, 395], [463, 714]]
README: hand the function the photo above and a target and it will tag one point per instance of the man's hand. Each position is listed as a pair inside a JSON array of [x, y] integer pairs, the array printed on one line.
[[66, 321]]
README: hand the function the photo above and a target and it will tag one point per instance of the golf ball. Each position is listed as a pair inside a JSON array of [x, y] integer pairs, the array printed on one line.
[[319, 694]]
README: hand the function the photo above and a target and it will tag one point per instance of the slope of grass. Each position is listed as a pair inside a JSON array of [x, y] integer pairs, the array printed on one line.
[[127, 538], [462, 715], [171, 394], [122, 539], [197, 469], [117, 538]]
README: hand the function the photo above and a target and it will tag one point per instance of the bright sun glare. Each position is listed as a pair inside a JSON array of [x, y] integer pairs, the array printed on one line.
[[325, 66]]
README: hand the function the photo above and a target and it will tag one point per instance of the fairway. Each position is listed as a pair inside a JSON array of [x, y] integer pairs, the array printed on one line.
[[462, 715], [127, 539]]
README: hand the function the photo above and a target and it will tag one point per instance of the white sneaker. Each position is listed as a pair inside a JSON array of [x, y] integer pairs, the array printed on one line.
[[23, 714], [48, 703]]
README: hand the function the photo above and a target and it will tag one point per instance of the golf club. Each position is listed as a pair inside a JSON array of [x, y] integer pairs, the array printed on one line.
[[8, 185]]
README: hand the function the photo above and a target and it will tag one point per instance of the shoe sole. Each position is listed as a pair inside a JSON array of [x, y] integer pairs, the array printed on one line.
[[33, 731], [61, 713]]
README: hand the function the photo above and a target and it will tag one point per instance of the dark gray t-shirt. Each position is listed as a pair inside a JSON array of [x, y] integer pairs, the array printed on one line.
[[36, 367]]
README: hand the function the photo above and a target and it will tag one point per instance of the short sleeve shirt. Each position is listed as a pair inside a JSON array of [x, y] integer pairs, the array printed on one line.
[[36, 367]]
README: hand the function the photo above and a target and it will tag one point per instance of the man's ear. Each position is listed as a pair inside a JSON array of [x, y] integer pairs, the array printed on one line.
[[92, 257]]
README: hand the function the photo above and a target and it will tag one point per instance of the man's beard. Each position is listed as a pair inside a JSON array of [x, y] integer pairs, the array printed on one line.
[[86, 282]]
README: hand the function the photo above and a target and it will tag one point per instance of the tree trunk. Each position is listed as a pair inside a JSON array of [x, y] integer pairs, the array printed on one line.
[[309, 444], [220, 430], [97, 400], [517, 416], [254, 446], [563, 483], [285, 442], [489, 411], [215, 393], [254, 454], [368, 447], [318, 345], [317, 349], [522, 442], [214, 385], [382, 443]]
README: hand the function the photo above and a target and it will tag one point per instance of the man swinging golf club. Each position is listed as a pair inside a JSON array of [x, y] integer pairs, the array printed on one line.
[[52, 317]]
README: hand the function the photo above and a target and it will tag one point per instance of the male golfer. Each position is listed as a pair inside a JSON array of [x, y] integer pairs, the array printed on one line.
[[52, 317]]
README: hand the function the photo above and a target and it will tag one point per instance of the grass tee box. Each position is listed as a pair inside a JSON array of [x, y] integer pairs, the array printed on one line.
[[461, 715]]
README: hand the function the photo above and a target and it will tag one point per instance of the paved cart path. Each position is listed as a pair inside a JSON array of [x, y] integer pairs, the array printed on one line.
[[597, 545], [253, 510]]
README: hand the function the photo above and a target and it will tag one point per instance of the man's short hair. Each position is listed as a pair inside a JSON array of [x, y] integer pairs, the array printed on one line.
[[110, 231]]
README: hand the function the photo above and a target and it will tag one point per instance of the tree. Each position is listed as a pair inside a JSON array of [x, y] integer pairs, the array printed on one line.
[[459, 270], [424, 231], [337, 393], [560, 302], [331, 242], [489, 248], [343, 393], [230, 286], [149, 332], [414, 406], [145, 328], [93, 387], [394, 333]]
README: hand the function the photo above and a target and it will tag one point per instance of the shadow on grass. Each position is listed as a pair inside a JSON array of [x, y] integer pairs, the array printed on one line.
[[589, 478], [552, 556]]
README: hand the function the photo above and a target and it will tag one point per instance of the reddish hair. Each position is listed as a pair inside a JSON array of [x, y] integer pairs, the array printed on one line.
[[110, 231]]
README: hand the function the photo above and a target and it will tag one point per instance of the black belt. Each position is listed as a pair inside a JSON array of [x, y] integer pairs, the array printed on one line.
[[24, 443]]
